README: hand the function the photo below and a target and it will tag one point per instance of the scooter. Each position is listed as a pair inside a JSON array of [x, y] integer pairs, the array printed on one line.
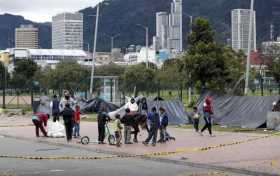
[[85, 140]]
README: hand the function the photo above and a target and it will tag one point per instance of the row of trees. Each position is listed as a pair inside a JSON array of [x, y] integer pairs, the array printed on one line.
[[205, 65]]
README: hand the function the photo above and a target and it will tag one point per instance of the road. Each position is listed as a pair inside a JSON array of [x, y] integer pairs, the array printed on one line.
[[106, 167]]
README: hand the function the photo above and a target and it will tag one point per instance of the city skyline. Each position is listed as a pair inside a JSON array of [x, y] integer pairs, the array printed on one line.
[[43, 10]]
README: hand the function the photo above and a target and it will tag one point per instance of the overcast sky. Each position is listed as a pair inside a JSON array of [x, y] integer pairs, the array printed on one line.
[[43, 10]]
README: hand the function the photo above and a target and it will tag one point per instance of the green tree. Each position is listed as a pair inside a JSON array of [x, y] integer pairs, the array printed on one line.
[[171, 75], [276, 71], [24, 73], [139, 77], [110, 70], [67, 75], [209, 64]]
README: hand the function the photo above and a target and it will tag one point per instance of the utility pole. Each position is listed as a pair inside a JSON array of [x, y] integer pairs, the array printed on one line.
[[147, 43], [249, 48], [94, 49]]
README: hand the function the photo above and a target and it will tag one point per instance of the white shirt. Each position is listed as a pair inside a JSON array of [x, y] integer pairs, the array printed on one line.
[[132, 106]]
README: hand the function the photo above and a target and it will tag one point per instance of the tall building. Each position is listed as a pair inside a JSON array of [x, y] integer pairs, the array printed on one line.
[[162, 25], [67, 31], [240, 21], [26, 36], [175, 40]]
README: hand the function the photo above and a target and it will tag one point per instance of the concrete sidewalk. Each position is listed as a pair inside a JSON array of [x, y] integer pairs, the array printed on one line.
[[262, 155]]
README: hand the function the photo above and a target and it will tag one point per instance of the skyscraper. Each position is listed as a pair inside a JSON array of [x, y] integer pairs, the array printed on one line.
[[240, 21], [67, 31], [26, 36], [175, 40], [162, 25]]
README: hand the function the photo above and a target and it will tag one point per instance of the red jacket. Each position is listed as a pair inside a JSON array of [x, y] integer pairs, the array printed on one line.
[[42, 117], [77, 116], [207, 107]]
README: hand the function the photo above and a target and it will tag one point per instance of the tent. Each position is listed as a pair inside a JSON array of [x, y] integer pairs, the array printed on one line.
[[94, 105], [241, 111]]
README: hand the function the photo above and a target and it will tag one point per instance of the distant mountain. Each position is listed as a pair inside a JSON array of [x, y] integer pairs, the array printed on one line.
[[9, 22], [121, 16]]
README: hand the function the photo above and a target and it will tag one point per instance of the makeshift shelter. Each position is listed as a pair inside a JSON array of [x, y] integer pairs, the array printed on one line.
[[94, 105], [241, 111]]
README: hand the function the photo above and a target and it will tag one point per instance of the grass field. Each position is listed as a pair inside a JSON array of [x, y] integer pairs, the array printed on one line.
[[232, 129]]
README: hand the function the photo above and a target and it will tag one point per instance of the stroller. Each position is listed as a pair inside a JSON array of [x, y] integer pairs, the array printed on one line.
[[85, 140]]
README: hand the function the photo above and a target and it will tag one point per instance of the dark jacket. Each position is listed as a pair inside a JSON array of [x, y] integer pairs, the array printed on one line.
[[55, 106], [68, 115], [102, 118], [128, 120], [154, 119]]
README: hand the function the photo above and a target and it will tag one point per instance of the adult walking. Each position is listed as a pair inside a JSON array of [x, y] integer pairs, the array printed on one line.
[[207, 113], [55, 108], [40, 121], [68, 117], [154, 125]]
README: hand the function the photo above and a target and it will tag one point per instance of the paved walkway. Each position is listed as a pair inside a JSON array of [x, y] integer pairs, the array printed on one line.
[[262, 155]]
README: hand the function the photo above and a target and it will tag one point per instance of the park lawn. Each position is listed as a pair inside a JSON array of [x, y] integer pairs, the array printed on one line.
[[233, 129], [89, 118]]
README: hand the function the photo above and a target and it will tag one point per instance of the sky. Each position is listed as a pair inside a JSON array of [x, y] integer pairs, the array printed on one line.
[[43, 10]]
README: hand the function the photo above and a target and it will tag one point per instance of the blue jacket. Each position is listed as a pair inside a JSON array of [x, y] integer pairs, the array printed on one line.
[[164, 120]]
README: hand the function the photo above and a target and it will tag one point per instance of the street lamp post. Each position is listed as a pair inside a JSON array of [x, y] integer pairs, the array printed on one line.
[[249, 48], [4, 87], [147, 43], [112, 37], [94, 49]]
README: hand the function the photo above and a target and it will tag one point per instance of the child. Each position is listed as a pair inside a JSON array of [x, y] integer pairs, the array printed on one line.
[[195, 116], [118, 130], [163, 125], [77, 120]]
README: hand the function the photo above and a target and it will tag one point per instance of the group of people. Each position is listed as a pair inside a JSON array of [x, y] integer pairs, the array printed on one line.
[[154, 121], [68, 109]]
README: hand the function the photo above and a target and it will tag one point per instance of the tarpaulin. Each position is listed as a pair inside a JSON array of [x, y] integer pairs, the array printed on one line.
[[241, 111]]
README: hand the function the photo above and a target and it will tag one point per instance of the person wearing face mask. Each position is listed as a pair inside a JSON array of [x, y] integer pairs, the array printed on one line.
[[67, 100]]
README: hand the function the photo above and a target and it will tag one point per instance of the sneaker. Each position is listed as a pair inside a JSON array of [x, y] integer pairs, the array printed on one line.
[[211, 135], [153, 144], [128, 143]]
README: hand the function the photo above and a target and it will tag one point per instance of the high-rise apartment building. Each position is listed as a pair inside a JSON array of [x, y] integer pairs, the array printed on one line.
[[67, 31], [162, 24], [175, 41], [240, 21], [26, 36]]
